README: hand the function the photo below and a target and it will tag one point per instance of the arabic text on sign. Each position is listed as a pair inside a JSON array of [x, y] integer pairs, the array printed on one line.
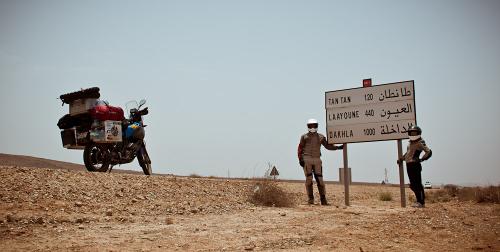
[[388, 113], [394, 93], [394, 129]]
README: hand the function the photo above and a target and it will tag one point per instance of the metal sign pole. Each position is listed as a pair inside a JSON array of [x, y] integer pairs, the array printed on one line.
[[346, 176], [401, 174]]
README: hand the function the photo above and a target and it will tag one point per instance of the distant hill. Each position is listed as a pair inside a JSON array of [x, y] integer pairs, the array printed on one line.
[[28, 161]]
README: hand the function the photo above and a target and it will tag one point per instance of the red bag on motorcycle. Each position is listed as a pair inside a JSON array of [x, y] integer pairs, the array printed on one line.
[[105, 112]]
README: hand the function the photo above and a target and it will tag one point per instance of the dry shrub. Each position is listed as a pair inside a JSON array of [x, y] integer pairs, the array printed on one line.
[[448, 193], [466, 194], [489, 194], [385, 196], [441, 195], [194, 175], [451, 190], [412, 198], [266, 192]]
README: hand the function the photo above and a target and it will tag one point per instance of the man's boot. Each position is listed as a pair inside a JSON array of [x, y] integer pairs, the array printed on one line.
[[323, 201], [310, 194], [310, 201]]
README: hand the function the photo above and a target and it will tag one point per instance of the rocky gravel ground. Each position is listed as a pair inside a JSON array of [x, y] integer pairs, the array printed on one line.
[[60, 210]]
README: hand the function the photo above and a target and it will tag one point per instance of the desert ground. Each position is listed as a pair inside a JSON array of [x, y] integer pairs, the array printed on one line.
[[46, 209]]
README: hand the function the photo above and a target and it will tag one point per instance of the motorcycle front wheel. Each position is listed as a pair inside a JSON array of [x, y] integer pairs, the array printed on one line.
[[94, 158], [144, 161]]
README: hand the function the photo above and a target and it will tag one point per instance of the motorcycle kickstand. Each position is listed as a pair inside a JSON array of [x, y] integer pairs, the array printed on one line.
[[111, 168]]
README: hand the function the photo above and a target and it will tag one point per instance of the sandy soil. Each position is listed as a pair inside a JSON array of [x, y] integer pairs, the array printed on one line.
[[60, 210]]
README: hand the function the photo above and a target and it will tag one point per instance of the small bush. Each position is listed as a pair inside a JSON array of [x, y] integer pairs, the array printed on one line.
[[267, 193], [451, 190], [441, 195], [466, 194], [194, 175], [385, 196], [412, 198], [489, 194]]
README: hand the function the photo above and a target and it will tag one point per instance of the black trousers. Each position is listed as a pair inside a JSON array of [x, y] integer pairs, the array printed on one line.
[[415, 174]]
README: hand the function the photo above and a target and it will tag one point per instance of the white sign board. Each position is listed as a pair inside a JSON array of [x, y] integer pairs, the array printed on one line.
[[377, 113]]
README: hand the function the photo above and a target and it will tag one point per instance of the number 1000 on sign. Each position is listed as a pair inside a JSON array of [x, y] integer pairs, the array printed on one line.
[[369, 132]]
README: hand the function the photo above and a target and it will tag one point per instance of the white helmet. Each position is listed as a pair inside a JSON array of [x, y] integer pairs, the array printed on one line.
[[312, 125], [312, 121]]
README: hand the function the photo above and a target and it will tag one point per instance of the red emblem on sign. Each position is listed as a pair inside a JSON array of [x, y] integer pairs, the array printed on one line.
[[367, 82]]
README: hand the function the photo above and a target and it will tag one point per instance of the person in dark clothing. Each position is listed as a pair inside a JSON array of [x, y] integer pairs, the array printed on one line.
[[309, 153], [413, 163]]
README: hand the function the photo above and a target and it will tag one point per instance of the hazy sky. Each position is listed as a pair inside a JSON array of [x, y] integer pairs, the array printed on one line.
[[231, 84]]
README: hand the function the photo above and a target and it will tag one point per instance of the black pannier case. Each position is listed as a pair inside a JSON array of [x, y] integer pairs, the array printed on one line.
[[74, 139]]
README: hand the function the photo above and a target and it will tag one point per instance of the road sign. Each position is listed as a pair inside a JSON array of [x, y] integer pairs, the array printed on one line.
[[274, 172], [376, 113]]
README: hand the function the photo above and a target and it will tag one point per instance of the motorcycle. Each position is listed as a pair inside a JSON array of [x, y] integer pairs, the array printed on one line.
[[98, 131], [99, 157]]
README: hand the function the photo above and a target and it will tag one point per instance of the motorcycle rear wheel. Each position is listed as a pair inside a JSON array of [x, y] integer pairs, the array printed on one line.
[[93, 158]]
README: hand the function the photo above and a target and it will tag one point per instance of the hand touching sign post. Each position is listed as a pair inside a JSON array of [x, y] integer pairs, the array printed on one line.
[[370, 113]]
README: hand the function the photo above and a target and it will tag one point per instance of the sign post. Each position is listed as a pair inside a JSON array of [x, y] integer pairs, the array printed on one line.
[[346, 176], [401, 174], [371, 113]]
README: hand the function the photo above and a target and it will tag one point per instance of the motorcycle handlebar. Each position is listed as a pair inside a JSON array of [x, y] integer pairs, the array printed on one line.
[[142, 112]]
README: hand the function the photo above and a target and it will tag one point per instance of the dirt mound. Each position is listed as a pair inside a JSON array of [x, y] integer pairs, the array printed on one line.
[[36, 162], [127, 196]]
